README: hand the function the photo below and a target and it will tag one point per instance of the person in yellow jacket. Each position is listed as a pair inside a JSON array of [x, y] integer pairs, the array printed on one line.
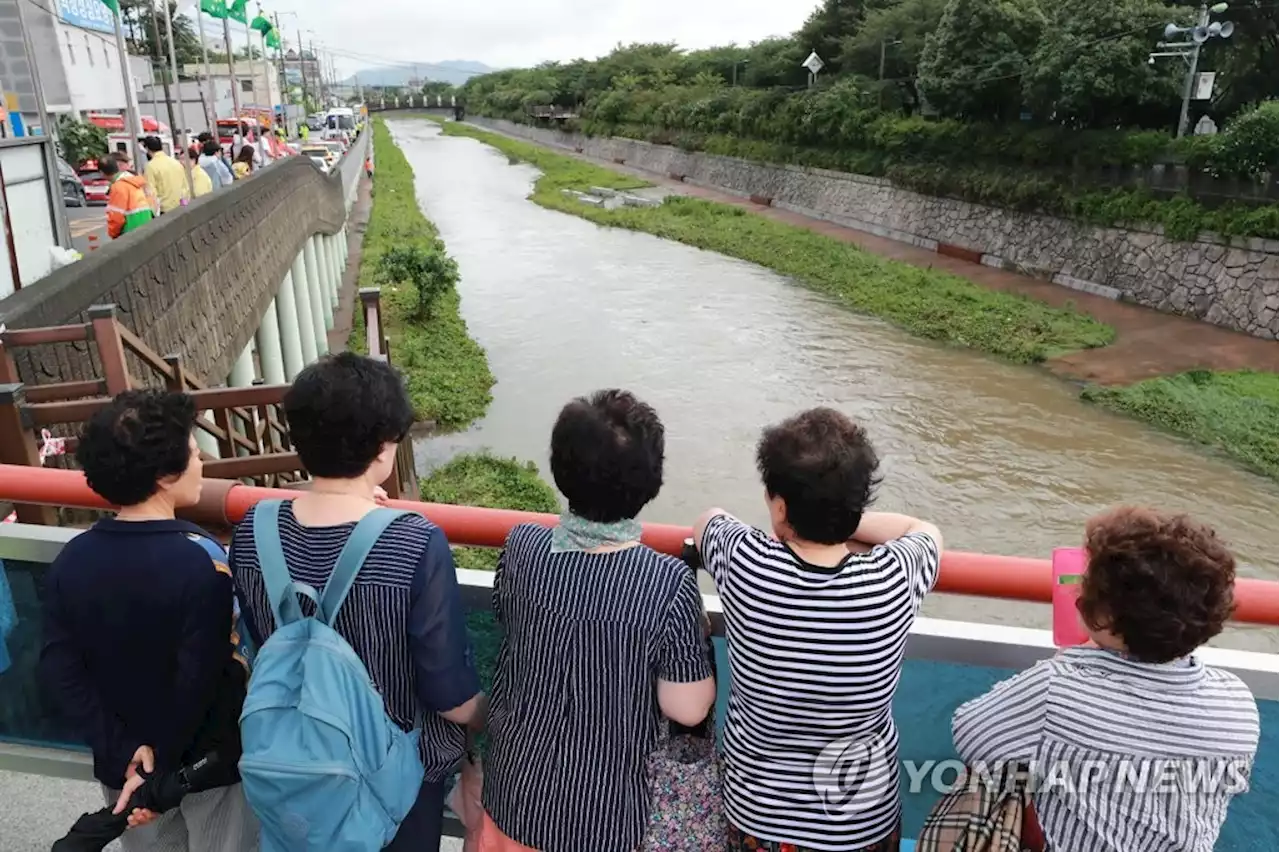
[[129, 205], [200, 180], [166, 176]]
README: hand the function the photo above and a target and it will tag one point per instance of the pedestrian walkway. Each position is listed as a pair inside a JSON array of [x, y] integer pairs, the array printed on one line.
[[1148, 343]]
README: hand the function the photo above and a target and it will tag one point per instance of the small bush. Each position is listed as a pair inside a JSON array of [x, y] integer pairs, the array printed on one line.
[[1248, 145], [430, 271]]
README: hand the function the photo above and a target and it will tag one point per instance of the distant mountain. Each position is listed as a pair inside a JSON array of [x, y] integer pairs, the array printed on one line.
[[454, 71]]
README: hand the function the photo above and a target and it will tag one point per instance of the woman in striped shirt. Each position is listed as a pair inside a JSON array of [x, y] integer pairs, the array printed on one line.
[[602, 637], [1134, 744], [817, 623]]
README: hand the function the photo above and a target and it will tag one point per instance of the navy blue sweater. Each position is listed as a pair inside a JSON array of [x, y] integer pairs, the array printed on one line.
[[137, 625]]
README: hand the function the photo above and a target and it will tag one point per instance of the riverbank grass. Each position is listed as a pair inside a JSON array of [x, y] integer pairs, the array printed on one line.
[[446, 371], [927, 302], [1237, 413]]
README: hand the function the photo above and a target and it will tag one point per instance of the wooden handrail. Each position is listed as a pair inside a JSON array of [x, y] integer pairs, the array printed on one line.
[[66, 390], [20, 338]]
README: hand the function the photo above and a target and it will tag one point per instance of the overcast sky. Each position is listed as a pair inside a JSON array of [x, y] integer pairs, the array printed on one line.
[[512, 33]]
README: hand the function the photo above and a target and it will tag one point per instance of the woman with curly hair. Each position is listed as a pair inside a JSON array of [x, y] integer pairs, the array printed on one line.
[[1134, 743]]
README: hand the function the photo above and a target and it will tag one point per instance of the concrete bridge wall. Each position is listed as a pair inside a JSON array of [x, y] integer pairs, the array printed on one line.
[[196, 282], [1231, 283]]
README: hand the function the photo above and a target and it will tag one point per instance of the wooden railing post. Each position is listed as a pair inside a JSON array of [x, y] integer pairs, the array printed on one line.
[[177, 378], [371, 303], [18, 446], [115, 370]]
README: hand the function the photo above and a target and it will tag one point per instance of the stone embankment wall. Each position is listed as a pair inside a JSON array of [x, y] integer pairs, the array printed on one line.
[[1231, 283], [194, 283]]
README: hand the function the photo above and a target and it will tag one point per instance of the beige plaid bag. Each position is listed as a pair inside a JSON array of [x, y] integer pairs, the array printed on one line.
[[982, 815]]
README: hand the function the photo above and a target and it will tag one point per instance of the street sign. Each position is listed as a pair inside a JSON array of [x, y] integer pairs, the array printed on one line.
[[1205, 127], [813, 64], [1204, 86]]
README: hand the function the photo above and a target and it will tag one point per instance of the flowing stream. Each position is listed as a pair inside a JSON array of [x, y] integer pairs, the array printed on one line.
[[1005, 459]]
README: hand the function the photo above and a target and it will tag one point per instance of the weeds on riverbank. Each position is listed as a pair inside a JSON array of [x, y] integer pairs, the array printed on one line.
[[446, 371], [927, 302], [1236, 413]]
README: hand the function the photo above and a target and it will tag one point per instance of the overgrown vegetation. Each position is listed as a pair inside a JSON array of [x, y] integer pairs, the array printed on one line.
[[446, 370], [927, 302], [481, 479], [1233, 412], [1023, 103]]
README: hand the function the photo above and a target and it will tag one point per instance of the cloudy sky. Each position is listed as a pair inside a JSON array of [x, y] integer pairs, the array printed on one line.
[[505, 33]]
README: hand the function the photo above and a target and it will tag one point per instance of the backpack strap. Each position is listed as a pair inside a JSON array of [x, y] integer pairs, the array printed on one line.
[[354, 552], [282, 592]]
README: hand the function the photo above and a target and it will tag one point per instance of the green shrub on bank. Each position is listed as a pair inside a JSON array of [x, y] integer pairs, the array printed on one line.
[[928, 302], [481, 479], [446, 371], [1233, 412]]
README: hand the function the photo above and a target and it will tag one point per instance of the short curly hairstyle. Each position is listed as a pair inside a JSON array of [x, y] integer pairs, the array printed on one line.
[[1160, 582], [824, 468], [342, 409], [139, 439], [607, 454]]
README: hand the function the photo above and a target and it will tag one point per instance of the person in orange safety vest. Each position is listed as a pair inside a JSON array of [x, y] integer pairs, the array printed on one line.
[[129, 204]]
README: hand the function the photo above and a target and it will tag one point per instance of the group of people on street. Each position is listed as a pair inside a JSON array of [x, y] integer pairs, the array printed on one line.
[[605, 655], [167, 183]]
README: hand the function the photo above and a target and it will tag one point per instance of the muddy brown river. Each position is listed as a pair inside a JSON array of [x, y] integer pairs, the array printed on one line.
[[1005, 459]]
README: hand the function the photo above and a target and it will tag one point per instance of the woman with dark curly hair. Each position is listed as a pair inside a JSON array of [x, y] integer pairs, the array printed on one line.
[[602, 636], [403, 616], [1133, 742], [138, 628], [817, 616]]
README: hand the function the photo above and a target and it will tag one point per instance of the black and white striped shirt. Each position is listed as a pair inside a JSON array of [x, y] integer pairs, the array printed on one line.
[[574, 712], [1126, 755], [404, 619], [811, 751]]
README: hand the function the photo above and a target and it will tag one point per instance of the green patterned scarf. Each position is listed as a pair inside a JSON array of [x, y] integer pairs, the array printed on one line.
[[577, 533]]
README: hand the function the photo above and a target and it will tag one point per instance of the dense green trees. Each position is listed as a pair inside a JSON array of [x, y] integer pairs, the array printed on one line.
[[1078, 65]]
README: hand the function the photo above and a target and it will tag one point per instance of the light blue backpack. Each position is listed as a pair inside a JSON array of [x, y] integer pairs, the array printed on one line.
[[323, 767]]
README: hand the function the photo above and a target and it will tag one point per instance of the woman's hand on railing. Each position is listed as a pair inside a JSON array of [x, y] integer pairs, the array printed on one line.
[[380, 495]]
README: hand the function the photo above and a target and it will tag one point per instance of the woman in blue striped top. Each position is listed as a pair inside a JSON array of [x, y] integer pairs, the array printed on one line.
[[1134, 744], [602, 637]]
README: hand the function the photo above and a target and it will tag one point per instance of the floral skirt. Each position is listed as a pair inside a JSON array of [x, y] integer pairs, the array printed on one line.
[[742, 842]]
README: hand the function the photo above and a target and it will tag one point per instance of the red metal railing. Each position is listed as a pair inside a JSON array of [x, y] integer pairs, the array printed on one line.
[[225, 502]]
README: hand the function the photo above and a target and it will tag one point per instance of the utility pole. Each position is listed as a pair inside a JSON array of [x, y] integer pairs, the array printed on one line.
[[210, 104], [302, 69], [1190, 83], [235, 85], [284, 78], [182, 112], [132, 118], [157, 60]]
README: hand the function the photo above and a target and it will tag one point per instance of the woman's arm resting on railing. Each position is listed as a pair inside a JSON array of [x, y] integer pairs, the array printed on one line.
[[880, 527]]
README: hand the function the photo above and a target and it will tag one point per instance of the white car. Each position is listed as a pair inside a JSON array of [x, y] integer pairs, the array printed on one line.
[[320, 164]]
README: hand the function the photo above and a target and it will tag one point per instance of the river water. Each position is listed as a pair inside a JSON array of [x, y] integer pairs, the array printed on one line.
[[1005, 459]]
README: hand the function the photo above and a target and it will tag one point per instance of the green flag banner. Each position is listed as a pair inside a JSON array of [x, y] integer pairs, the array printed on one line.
[[238, 10], [262, 24], [214, 8], [273, 39], [113, 5]]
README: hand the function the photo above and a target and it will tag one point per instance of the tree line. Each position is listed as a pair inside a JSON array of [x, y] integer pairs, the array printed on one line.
[[1028, 80]]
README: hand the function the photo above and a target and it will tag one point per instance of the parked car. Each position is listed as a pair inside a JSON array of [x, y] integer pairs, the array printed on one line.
[[321, 164], [96, 184], [73, 190]]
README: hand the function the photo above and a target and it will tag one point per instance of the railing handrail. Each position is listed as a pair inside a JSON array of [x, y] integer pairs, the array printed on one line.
[[225, 502]]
